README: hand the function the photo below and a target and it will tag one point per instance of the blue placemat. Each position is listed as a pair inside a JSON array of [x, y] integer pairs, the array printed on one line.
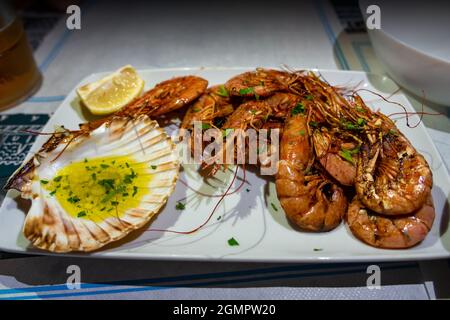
[[15, 143]]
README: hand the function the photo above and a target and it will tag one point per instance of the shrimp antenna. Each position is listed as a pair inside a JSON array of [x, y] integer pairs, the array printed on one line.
[[76, 135], [211, 213], [243, 181], [389, 101]]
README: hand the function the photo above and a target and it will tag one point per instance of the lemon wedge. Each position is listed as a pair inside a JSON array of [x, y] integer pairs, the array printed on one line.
[[112, 92]]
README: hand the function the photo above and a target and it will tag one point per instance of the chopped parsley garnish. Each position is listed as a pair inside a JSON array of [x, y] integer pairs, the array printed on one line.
[[129, 177], [104, 166], [111, 189], [298, 109], [205, 126], [309, 97], [246, 91], [359, 109], [222, 91], [232, 242], [81, 214], [274, 206], [354, 126], [53, 192], [73, 199], [301, 132], [347, 154], [313, 124], [248, 190], [154, 167], [57, 179], [355, 150], [393, 132], [135, 190], [94, 176], [351, 126], [361, 122], [219, 217], [44, 181], [108, 184], [317, 249], [180, 206]]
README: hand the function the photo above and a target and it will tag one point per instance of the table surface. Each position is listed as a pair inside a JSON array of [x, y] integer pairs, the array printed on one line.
[[304, 34]]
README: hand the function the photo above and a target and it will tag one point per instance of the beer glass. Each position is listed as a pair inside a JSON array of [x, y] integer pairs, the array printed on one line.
[[19, 75]]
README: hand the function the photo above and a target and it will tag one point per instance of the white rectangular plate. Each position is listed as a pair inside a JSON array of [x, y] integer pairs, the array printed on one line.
[[262, 232]]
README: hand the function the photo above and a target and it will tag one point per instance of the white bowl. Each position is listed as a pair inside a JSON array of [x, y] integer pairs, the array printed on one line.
[[413, 44]]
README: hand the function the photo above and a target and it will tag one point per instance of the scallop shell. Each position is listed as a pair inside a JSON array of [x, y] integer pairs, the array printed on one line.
[[49, 227]]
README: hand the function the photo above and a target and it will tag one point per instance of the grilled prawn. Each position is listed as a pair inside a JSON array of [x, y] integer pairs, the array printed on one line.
[[170, 95], [392, 177], [310, 200], [337, 155], [394, 232], [214, 103], [252, 114], [259, 83], [281, 103]]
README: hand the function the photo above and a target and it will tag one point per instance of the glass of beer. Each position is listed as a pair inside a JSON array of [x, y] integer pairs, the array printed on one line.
[[19, 75]]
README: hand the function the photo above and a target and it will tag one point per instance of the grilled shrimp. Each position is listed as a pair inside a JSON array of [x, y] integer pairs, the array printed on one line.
[[259, 83], [282, 102], [397, 232], [252, 114], [392, 177], [212, 106], [169, 95], [338, 156], [310, 200], [214, 103]]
